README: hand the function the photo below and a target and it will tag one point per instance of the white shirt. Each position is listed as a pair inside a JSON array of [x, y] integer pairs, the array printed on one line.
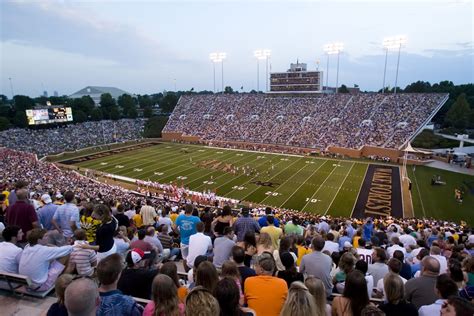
[[199, 244], [407, 240], [370, 284], [165, 221], [470, 239], [365, 254], [432, 309], [10, 255], [443, 263], [331, 246], [35, 260], [394, 248]]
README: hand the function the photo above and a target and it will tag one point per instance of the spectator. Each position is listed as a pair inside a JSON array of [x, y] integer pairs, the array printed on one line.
[[435, 252], [318, 264], [154, 241], [363, 253], [346, 266], [122, 219], [354, 298], [227, 294], [21, 213], [245, 224], [264, 243], [82, 298], [445, 287], [164, 219], [170, 269], [206, 276], [378, 269], [82, 260], [330, 245], [113, 302], [200, 302], [135, 280], [165, 298], [363, 267], [395, 246], [222, 221], [58, 308], [264, 293], [421, 291], [46, 213], [406, 269], [148, 214], [394, 267], [457, 306], [105, 232], [293, 227], [299, 301], [199, 244], [318, 291], [42, 264], [290, 274], [396, 304], [223, 247], [274, 232], [88, 223], [66, 218], [13, 196], [230, 270], [238, 256], [186, 224], [169, 252], [263, 221], [10, 253]]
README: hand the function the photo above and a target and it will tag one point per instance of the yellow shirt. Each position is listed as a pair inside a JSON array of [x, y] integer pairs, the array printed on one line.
[[90, 225], [137, 219], [173, 217], [301, 252], [6, 193], [275, 233], [356, 241]]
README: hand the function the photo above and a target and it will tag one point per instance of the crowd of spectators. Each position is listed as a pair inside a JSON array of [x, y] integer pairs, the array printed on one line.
[[71, 137], [342, 120], [57, 225]]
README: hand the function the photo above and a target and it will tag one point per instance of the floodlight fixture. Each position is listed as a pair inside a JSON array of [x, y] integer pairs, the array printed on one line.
[[333, 49], [262, 54], [393, 43]]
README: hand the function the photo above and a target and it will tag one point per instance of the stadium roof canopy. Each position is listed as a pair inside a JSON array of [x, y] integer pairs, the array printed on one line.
[[95, 92]]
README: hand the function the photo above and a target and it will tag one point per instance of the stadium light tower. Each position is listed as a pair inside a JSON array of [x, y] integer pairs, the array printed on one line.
[[333, 49], [392, 43], [261, 54], [218, 58]]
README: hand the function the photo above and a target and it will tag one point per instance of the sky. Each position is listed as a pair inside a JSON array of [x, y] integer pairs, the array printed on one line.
[[146, 47]]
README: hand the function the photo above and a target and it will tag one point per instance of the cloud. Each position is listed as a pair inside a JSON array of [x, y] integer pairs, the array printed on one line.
[[69, 28]]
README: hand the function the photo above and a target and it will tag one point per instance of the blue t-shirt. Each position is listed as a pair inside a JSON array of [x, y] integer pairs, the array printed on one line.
[[117, 304], [263, 221], [187, 227], [368, 228]]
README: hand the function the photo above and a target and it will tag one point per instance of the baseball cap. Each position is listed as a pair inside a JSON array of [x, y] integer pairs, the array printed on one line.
[[46, 198], [135, 255]]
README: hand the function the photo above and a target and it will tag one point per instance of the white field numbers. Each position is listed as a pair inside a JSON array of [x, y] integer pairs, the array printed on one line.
[[312, 200]]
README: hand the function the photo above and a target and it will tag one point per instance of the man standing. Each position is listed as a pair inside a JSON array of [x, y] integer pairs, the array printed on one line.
[[378, 269], [274, 232], [186, 224], [66, 218], [199, 245], [262, 221], [421, 291], [22, 213], [148, 214], [264, 293], [46, 213], [245, 224], [445, 287], [318, 264]]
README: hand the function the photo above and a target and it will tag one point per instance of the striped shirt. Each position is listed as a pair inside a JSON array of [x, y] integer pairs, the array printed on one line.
[[83, 259], [166, 240]]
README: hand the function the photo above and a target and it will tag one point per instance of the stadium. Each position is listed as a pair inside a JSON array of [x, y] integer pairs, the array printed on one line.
[[295, 198]]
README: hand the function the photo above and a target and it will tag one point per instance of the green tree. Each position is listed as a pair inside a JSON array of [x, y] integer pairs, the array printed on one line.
[[154, 126], [459, 114], [132, 113], [228, 89], [3, 99], [20, 120], [106, 100], [168, 102], [23, 102], [79, 116], [148, 112], [4, 123], [343, 89], [114, 113], [127, 103], [418, 87], [6, 111], [96, 114], [144, 101]]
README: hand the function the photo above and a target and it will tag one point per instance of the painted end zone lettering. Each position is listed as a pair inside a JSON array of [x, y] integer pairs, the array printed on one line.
[[381, 194]]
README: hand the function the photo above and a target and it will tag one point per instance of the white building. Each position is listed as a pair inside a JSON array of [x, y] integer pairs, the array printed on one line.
[[95, 92]]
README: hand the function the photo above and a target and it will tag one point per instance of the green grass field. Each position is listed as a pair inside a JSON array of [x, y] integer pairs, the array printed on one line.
[[318, 185]]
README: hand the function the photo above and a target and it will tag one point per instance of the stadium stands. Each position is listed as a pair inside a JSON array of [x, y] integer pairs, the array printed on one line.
[[342, 120]]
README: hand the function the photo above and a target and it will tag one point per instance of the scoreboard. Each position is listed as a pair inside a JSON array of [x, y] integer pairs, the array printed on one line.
[[49, 115]]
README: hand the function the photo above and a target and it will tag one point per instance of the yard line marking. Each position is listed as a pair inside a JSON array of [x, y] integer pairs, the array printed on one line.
[[320, 186], [342, 183], [360, 188], [303, 183]]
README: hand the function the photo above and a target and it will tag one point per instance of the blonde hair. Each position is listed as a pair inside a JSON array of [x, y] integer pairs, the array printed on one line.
[[200, 302], [393, 287], [265, 240], [299, 301], [318, 291], [60, 286], [347, 262]]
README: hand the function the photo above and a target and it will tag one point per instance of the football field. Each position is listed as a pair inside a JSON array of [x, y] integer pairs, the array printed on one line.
[[318, 185]]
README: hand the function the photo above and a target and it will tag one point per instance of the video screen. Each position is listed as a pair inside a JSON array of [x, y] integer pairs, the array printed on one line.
[[49, 116]]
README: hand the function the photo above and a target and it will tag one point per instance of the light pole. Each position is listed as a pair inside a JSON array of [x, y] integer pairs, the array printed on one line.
[[218, 58], [11, 86], [391, 43], [333, 49], [262, 54]]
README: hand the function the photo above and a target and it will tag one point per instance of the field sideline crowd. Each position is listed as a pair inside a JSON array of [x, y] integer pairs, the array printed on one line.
[[101, 246]]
